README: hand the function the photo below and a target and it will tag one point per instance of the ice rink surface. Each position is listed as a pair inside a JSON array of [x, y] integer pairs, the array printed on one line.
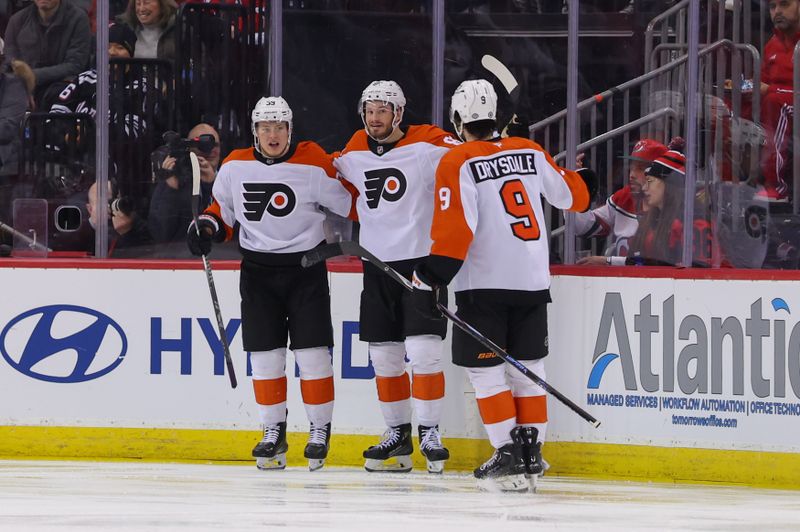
[[87, 496]]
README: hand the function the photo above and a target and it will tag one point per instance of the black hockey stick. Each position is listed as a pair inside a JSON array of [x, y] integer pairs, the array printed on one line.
[[207, 268], [351, 248]]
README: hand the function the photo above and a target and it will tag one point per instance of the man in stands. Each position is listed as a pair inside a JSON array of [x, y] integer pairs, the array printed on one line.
[[777, 97], [53, 37], [618, 217]]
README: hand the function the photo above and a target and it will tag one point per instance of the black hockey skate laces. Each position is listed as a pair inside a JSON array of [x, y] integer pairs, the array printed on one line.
[[317, 435], [271, 434], [431, 439]]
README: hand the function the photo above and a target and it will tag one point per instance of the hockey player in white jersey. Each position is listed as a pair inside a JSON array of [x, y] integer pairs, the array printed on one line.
[[274, 191], [488, 239], [393, 167]]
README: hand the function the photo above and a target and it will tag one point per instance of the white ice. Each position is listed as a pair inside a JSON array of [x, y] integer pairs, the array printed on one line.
[[92, 496]]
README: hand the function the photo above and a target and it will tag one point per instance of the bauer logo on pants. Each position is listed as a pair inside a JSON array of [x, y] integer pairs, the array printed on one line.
[[63, 343]]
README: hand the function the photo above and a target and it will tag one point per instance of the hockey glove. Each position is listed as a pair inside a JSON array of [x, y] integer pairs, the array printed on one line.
[[200, 244], [427, 294], [590, 178]]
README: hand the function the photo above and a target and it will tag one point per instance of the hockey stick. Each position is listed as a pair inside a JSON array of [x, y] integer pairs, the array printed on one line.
[[207, 268], [351, 248], [507, 79]]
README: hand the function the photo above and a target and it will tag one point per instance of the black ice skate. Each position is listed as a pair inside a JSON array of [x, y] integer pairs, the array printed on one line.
[[504, 471], [430, 444], [319, 437], [270, 452], [526, 438], [395, 443]]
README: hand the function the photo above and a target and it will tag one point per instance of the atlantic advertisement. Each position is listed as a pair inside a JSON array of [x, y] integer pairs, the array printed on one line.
[[679, 362]]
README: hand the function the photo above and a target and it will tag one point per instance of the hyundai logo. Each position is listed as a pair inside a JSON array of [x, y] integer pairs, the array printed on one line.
[[63, 343]]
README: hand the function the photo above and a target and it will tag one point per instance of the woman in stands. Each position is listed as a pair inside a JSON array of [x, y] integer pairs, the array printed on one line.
[[154, 24], [659, 237]]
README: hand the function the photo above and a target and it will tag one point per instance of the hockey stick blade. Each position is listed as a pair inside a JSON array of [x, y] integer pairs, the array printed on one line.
[[501, 72], [212, 289], [321, 253], [353, 248]]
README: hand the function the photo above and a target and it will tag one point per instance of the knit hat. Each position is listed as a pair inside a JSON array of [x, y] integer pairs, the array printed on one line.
[[672, 163], [646, 151], [121, 34]]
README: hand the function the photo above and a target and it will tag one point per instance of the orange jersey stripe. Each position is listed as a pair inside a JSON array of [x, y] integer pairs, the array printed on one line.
[[531, 409], [497, 408], [450, 232], [391, 389], [428, 387], [244, 154], [317, 391], [312, 154], [580, 194], [270, 391], [214, 209]]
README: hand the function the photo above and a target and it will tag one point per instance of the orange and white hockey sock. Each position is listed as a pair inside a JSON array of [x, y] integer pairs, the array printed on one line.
[[316, 383], [529, 398], [427, 388], [392, 382], [269, 384], [495, 403]]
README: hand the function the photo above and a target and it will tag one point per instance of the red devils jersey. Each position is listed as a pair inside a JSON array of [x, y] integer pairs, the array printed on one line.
[[395, 186], [277, 201], [489, 214]]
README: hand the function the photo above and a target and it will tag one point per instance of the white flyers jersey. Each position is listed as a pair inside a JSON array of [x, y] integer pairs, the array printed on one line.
[[395, 186], [276, 202], [489, 212]]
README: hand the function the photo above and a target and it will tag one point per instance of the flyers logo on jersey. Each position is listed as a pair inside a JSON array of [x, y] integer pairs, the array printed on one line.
[[276, 198], [387, 183]]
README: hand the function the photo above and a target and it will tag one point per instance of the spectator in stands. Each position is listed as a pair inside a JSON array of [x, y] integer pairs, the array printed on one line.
[[15, 100], [154, 24], [126, 229], [659, 238], [53, 37], [171, 203], [777, 97], [618, 218]]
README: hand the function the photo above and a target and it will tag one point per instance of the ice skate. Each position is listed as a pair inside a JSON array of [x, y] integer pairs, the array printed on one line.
[[270, 452], [504, 471], [430, 444], [531, 449], [395, 443], [316, 450]]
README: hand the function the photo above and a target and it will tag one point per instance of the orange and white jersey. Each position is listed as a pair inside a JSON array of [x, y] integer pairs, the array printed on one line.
[[276, 202], [395, 186], [489, 214]]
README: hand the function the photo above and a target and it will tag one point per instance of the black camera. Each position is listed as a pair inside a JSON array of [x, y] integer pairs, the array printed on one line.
[[177, 147]]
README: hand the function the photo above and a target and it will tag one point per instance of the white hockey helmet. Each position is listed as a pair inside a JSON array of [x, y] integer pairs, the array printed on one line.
[[386, 91], [473, 100], [272, 109]]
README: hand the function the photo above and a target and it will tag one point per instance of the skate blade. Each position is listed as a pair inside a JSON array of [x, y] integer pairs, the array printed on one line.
[[436, 467], [315, 464], [397, 464], [266, 464], [516, 483], [532, 482]]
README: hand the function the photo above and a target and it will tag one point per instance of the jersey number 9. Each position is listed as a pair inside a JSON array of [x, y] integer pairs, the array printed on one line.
[[517, 204]]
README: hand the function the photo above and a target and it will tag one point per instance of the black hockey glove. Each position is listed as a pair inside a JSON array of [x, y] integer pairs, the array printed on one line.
[[200, 244], [426, 294], [590, 178]]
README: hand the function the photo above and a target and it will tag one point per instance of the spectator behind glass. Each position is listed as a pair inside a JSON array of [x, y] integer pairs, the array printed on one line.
[[53, 37], [126, 228], [154, 24], [15, 101], [659, 237], [171, 203]]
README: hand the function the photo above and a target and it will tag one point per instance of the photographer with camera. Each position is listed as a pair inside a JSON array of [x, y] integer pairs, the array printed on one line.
[[129, 229], [171, 203]]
